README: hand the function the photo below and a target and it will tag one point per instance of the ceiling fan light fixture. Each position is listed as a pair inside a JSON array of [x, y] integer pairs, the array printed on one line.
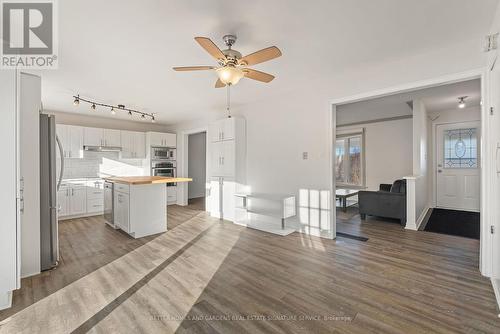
[[230, 75]]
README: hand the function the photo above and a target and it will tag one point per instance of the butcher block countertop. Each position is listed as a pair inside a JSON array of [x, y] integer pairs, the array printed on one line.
[[138, 180]]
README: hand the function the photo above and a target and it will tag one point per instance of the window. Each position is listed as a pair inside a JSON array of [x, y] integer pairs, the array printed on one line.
[[349, 160], [460, 148]]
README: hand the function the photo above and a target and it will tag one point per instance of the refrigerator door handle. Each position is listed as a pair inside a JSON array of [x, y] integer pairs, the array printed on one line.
[[61, 155]]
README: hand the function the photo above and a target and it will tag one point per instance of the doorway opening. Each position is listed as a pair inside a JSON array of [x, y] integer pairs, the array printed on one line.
[[197, 167], [403, 148]]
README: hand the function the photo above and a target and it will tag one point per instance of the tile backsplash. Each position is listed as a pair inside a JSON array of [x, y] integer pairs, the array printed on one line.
[[99, 164]]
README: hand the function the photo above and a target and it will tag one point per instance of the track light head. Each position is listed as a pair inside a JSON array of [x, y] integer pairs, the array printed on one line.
[[76, 102], [113, 111], [461, 102], [93, 107], [153, 119]]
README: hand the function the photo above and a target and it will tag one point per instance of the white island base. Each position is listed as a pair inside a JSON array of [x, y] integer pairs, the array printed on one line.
[[140, 204], [142, 211]]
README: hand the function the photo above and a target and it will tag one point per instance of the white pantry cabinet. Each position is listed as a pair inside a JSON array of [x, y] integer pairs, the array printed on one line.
[[228, 165], [159, 139], [71, 138], [101, 137], [133, 145]]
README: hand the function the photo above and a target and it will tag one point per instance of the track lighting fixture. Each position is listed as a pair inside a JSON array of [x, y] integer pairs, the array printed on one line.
[[461, 102], [113, 108]]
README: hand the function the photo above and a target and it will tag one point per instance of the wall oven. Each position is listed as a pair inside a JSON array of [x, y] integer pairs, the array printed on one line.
[[164, 168], [163, 153]]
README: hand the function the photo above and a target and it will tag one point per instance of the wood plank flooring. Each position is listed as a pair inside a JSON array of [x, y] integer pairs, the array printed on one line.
[[204, 276]]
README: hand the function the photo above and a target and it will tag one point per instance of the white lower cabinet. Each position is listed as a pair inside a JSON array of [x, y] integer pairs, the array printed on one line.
[[82, 198], [72, 200], [122, 210]]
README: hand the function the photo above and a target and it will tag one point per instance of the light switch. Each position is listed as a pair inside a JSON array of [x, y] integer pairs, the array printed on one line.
[[305, 155]]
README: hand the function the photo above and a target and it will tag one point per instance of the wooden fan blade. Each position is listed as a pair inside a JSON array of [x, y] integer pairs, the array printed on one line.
[[210, 47], [261, 56], [219, 84], [258, 75], [193, 68]]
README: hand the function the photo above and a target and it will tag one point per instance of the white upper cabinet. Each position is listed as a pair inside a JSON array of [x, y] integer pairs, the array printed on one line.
[[93, 137], [101, 137], [133, 145], [224, 129], [159, 139], [112, 138], [71, 138]]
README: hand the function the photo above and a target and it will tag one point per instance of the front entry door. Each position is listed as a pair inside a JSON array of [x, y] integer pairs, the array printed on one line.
[[458, 169]]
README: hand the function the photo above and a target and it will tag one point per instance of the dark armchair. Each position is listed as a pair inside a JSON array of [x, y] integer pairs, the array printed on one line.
[[389, 201]]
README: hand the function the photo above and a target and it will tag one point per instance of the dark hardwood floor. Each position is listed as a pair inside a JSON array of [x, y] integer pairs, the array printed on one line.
[[207, 276]]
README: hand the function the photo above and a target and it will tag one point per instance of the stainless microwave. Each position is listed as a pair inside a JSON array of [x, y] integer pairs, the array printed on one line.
[[163, 153]]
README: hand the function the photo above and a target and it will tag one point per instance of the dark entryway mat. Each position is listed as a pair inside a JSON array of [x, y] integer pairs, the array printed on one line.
[[454, 222], [351, 236]]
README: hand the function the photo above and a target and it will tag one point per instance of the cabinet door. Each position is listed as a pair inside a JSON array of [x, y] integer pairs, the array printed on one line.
[[62, 201], [140, 145], [215, 194], [112, 138], [228, 202], [127, 141], [171, 139], [216, 160], [156, 139], [122, 211], [78, 200], [62, 134], [93, 137], [215, 132], [228, 158], [171, 194], [75, 141], [228, 129]]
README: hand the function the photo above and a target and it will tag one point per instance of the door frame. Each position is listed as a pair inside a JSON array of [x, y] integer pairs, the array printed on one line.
[[183, 163], [434, 199], [487, 149]]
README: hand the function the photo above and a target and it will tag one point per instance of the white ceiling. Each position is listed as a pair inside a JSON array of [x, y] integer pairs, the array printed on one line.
[[435, 99], [119, 51]]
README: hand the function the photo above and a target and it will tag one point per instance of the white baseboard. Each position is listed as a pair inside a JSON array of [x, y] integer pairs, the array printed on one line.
[[495, 282], [5, 300]]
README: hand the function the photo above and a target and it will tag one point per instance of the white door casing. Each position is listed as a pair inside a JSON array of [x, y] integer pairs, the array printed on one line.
[[458, 166]]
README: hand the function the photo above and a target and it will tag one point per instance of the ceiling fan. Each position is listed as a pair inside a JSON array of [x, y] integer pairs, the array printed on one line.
[[232, 65]]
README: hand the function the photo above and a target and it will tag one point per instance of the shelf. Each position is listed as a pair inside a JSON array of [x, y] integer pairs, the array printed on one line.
[[270, 197], [266, 227]]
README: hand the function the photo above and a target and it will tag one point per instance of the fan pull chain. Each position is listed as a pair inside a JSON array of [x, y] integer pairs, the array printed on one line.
[[228, 108]]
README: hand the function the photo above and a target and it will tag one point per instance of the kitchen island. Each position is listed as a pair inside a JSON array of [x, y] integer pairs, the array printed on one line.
[[140, 203]]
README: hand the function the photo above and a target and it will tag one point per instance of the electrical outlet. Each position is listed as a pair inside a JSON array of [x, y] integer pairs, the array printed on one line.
[[305, 155]]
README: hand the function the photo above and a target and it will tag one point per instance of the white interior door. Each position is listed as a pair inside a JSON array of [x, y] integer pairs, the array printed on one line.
[[458, 170]]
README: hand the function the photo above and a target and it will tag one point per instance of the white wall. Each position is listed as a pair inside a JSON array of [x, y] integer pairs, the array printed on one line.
[[388, 150], [421, 162], [197, 164]]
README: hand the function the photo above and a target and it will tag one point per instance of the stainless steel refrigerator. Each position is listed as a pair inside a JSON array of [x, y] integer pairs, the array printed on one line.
[[49, 184]]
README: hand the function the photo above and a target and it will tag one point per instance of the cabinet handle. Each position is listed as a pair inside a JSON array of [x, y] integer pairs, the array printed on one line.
[[67, 192], [72, 192], [223, 160]]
